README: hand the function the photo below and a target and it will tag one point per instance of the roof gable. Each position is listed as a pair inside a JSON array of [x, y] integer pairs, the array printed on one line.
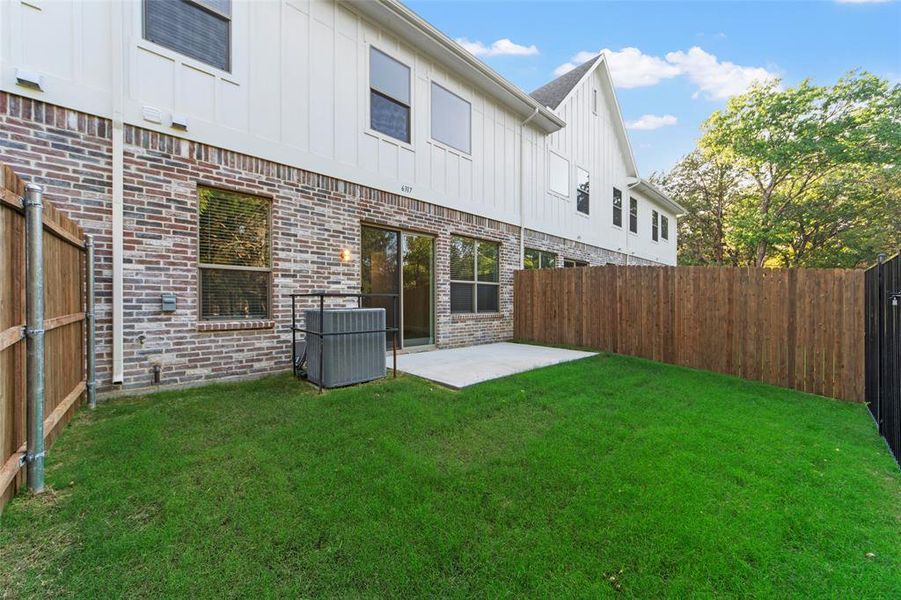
[[553, 93]]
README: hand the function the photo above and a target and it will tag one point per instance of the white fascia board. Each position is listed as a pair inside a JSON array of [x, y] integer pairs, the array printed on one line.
[[417, 32], [618, 114], [650, 191]]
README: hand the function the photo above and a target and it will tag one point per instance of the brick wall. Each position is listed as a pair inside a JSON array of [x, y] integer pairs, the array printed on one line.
[[314, 218], [576, 250]]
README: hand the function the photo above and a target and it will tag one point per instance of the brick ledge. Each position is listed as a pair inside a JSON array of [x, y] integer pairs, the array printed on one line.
[[235, 325]]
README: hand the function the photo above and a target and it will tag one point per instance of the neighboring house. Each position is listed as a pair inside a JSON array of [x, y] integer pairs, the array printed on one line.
[[234, 152]]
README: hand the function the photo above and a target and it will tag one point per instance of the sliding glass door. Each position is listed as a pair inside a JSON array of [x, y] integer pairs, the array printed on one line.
[[393, 262]]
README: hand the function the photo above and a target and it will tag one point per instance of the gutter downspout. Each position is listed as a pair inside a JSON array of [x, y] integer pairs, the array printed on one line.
[[522, 188], [118, 91]]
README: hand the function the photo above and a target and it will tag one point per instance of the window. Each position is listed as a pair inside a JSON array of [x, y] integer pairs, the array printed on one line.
[[594, 101], [451, 116], [389, 96], [538, 259], [475, 276], [664, 227], [654, 226], [571, 262], [633, 215], [233, 255], [558, 173], [199, 29], [582, 194], [617, 207]]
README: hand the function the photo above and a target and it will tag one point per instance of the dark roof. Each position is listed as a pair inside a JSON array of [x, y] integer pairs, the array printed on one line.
[[552, 94]]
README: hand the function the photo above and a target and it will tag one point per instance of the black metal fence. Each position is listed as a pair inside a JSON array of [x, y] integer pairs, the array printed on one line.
[[883, 349]]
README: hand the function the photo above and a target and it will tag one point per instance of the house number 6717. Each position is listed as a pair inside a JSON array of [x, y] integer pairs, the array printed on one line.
[[406, 188]]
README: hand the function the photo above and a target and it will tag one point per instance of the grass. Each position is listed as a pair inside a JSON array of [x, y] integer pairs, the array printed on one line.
[[602, 477]]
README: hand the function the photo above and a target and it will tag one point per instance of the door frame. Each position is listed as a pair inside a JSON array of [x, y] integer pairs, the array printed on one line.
[[400, 277]]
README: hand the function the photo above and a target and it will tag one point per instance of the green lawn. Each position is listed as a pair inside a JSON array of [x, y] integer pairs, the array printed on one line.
[[601, 477]]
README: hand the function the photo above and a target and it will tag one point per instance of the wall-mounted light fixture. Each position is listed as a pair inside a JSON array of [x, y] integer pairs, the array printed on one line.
[[344, 255]]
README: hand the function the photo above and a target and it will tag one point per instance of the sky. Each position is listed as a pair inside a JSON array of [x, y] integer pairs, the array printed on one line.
[[675, 62]]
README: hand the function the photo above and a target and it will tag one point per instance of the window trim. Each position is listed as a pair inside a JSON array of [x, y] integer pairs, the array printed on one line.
[[411, 122], [475, 274], [541, 254], [432, 138], [551, 190], [655, 226], [615, 208], [664, 231], [633, 201], [200, 266], [575, 263], [588, 175], [229, 18]]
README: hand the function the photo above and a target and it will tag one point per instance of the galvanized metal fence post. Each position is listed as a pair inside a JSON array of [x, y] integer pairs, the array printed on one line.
[[90, 323], [34, 332]]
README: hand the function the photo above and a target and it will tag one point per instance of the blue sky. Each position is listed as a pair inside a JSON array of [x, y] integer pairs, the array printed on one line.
[[660, 74]]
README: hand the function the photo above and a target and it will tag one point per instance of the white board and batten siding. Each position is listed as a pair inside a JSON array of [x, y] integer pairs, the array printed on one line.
[[596, 144], [297, 93]]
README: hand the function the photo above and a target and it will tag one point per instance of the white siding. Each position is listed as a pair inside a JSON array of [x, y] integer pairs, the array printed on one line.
[[297, 93]]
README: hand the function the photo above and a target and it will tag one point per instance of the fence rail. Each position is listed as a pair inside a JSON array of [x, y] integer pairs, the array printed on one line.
[[63, 326], [797, 328]]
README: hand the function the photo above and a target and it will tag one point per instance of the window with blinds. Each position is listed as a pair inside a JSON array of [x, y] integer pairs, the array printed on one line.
[[475, 276], [389, 95], [234, 256], [199, 29]]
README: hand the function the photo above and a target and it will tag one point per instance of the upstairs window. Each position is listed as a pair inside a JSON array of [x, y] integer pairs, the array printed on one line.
[[389, 96], [539, 259], [234, 257], [654, 226], [633, 215], [582, 191], [558, 174], [451, 117], [199, 29], [475, 275], [617, 208], [664, 227]]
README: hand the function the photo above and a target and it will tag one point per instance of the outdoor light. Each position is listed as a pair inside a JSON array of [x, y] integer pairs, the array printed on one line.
[[345, 255]]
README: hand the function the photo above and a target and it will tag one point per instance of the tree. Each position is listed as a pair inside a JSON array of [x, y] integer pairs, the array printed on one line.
[[709, 190], [808, 152]]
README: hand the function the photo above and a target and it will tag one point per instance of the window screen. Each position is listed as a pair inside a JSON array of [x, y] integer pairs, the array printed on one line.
[[233, 255], [200, 29], [558, 174], [617, 207], [451, 117], [654, 225], [389, 95], [582, 191], [633, 215], [475, 275], [664, 227]]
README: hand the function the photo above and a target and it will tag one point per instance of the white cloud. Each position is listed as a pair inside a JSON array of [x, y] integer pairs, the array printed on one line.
[[648, 122], [501, 47], [631, 68], [718, 80]]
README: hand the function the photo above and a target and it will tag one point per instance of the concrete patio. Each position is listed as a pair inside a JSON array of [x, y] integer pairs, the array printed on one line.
[[461, 367]]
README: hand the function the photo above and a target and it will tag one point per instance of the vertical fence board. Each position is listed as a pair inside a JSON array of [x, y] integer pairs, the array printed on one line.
[[797, 328], [64, 370]]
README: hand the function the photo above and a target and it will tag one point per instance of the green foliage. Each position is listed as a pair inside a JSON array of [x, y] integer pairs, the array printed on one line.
[[813, 175], [674, 483]]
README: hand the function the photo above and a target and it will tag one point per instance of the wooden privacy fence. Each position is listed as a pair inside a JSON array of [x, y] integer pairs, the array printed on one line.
[[797, 328], [64, 327]]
